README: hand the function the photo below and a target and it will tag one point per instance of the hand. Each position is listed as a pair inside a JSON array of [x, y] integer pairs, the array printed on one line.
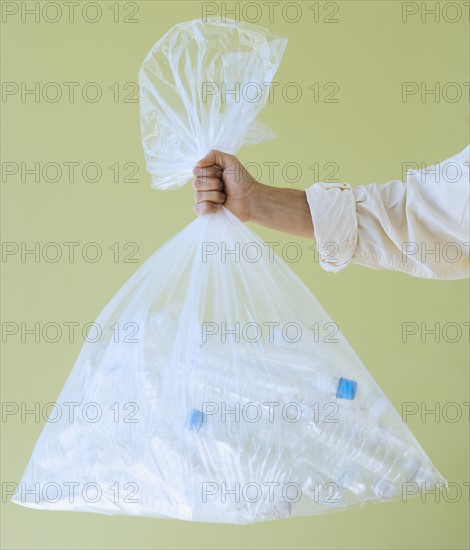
[[221, 178]]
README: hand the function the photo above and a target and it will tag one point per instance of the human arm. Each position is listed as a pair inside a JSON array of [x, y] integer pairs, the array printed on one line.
[[420, 227], [222, 179]]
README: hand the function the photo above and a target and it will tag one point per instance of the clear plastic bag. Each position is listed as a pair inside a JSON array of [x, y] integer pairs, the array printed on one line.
[[220, 390], [201, 87]]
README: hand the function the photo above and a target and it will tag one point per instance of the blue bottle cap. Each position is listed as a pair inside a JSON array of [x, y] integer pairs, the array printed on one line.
[[346, 389], [194, 420]]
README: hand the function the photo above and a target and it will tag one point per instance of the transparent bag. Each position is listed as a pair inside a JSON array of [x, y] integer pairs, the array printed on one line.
[[220, 390]]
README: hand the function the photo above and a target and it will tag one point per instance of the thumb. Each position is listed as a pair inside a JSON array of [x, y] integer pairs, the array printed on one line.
[[215, 157]]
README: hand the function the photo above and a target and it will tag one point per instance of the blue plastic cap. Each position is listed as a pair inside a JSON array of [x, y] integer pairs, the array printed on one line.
[[346, 389], [194, 420]]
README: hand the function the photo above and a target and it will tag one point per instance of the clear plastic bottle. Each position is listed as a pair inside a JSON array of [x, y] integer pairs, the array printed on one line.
[[373, 449], [233, 447], [352, 451], [269, 371]]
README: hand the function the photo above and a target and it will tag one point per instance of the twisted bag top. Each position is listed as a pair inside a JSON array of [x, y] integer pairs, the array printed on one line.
[[201, 87]]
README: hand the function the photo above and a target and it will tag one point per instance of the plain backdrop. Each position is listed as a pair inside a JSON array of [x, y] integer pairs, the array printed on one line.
[[366, 136]]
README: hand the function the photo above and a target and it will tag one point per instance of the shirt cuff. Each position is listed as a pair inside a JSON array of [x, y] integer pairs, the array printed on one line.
[[333, 211]]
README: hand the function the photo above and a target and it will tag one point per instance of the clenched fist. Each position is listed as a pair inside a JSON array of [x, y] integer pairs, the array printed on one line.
[[221, 178]]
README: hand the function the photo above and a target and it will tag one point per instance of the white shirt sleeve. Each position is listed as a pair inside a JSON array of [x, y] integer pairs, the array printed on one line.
[[420, 227]]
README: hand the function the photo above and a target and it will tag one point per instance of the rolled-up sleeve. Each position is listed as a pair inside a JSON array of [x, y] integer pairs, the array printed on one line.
[[420, 227]]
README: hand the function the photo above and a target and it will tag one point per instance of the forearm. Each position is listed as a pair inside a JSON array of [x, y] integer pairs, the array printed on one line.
[[286, 210]]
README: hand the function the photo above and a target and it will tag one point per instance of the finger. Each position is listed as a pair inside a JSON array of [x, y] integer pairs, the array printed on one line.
[[212, 196], [216, 157], [205, 208], [208, 184], [208, 171]]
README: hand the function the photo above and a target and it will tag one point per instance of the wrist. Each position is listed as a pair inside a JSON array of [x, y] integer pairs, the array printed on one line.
[[256, 200]]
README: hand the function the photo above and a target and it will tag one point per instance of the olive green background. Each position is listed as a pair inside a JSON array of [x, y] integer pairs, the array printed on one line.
[[368, 134]]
